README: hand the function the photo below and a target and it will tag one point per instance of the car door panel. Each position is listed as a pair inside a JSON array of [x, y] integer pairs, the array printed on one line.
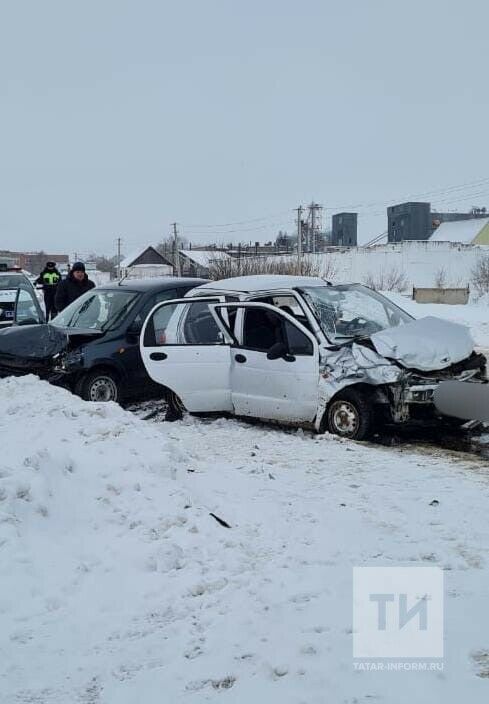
[[276, 389], [184, 353], [130, 358], [199, 375]]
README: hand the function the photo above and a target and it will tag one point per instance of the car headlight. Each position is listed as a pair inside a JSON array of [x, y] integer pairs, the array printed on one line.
[[72, 359]]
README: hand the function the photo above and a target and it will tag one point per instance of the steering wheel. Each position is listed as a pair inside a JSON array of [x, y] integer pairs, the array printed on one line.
[[360, 324]]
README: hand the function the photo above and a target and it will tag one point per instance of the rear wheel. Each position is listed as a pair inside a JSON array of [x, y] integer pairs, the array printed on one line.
[[99, 386], [176, 409], [350, 415]]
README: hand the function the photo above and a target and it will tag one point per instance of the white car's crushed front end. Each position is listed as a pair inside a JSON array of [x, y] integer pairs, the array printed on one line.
[[403, 366]]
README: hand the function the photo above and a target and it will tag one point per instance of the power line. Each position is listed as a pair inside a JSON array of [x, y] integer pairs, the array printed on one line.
[[241, 222], [440, 191]]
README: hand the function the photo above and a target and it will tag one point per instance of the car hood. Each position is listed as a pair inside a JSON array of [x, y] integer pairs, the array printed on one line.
[[428, 344], [39, 342]]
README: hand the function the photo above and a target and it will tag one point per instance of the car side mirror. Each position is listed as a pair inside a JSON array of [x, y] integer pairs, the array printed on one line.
[[135, 328], [276, 351]]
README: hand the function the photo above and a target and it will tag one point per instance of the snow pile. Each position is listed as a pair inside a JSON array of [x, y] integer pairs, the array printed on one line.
[[89, 501], [118, 585]]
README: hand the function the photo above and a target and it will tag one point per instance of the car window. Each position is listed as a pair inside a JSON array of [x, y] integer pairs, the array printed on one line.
[[200, 328], [7, 305], [350, 311], [182, 324], [19, 306], [159, 297], [27, 311], [97, 309], [289, 304], [297, 343], [262, 329]]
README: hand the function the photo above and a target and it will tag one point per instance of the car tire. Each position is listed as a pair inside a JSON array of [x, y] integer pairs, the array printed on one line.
[[176, 410], [99, 386], [350, 415]]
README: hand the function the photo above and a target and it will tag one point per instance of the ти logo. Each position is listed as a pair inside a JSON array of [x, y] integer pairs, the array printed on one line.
[[397, 612]]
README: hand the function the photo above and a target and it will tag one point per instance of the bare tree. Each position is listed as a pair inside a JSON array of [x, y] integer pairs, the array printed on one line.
[[480, 275], [441, 278], [249, 266], [394, 279], [167, 247], [327, 267]]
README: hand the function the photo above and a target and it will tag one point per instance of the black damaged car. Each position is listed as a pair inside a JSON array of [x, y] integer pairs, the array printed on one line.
[[92, 346]]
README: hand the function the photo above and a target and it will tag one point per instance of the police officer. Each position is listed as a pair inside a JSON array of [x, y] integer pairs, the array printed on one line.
[[49, 278]]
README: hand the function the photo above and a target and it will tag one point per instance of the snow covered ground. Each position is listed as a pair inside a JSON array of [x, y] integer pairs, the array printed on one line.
[[119, 586]]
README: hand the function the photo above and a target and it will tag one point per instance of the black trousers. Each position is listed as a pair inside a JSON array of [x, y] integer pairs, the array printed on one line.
[[51, 311]]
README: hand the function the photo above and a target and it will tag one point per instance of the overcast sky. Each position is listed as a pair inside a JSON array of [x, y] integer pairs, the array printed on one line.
[[118, 117]]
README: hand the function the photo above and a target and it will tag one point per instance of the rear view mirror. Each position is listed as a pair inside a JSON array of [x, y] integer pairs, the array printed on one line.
[[277, 350]]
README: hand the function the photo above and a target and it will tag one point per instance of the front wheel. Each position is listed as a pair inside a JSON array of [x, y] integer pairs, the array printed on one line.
[[99, 386], [350, 415]]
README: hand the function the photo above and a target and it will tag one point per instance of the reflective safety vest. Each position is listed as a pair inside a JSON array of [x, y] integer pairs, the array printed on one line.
[[50, 278]]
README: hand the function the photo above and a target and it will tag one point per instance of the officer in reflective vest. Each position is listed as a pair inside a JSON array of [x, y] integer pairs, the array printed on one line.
[[49, 278]]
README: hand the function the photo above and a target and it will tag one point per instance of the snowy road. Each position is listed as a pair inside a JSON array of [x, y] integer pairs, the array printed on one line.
[[117, 585]]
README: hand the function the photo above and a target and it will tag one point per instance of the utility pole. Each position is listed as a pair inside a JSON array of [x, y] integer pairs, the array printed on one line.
[[119, 242], [315, 225], [299, 239], [176, 253]]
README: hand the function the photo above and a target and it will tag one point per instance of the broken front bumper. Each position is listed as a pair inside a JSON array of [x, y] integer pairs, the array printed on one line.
[[415, 401], [419, 394]]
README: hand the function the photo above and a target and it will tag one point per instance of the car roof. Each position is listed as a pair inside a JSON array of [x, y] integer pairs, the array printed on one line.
[[16, 275], [263, 282], [157, 283]]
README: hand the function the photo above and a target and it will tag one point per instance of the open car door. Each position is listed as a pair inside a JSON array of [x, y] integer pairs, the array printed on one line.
[[274, 362], [187, 351], [19, 306]]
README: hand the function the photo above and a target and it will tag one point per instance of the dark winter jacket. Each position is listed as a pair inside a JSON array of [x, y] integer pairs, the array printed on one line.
[[70, 289], [49, 278]]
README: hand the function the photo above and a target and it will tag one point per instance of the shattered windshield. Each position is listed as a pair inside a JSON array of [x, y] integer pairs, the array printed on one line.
[[97, 310], [350, 311]]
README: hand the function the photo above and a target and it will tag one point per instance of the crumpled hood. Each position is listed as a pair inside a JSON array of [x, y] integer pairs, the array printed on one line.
[[427, 344], [25, 345], [32, 341]]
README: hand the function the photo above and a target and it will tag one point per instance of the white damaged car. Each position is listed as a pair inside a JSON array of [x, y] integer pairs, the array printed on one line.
[[300, 350]]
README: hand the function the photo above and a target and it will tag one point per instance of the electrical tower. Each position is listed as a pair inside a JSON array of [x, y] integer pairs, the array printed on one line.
[[315, 229]]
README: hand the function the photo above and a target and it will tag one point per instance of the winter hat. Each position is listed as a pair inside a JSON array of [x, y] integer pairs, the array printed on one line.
[[78, 266], [50, 265]]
